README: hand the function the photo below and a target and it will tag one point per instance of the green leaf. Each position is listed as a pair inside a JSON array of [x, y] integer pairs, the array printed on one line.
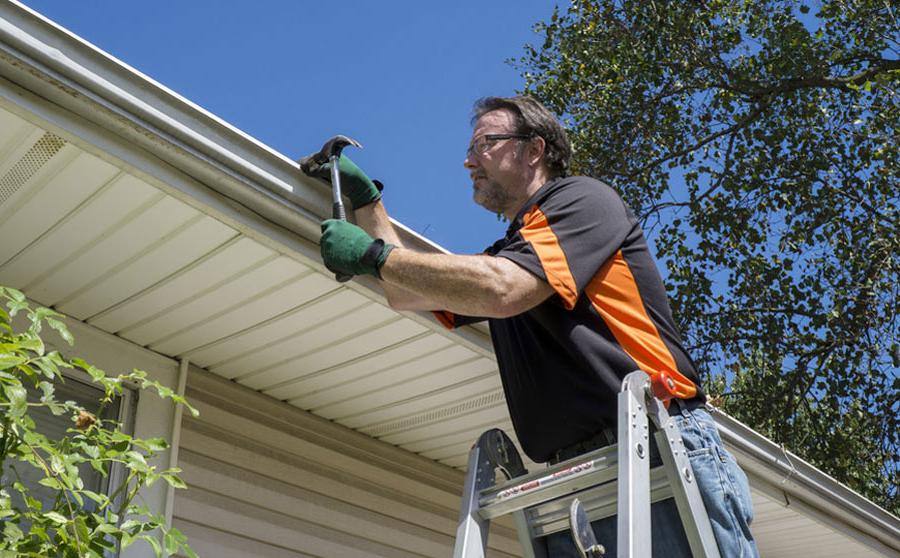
[[171, 542], [50, 482], [47, 391], [16, 307], [8, 360], [32, 344], [56, 517], [33, 503], [174, 481], [95, 373], [106, 528], [130, 526], [17, 397], [61, 328], [156, 444], [15, 295], [190, 553], [11, 533], [154, 543]]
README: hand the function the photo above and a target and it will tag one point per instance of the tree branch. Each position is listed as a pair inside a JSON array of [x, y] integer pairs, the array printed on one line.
[[750, 117]]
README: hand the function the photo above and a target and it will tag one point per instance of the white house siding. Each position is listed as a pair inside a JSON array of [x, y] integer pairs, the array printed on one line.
[[267, 479]]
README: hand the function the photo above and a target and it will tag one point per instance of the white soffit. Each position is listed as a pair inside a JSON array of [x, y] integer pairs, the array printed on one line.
[[103, 246]]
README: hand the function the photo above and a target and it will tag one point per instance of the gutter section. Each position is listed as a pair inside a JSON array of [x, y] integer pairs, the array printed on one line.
[[807, 489]]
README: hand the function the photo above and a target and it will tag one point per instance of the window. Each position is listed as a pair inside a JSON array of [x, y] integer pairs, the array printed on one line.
[[54, 427]]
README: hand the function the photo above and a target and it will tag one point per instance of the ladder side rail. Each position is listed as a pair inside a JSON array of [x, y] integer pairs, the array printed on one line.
[[531, 546], [472, 530], [633, 539], [688, 500]]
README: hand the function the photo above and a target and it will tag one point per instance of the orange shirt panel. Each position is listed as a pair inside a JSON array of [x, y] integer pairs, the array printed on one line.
[[536, 230], [614, 294]]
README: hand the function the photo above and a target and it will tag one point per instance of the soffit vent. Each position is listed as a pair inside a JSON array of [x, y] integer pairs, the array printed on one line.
[[42, 151], [435, 415]]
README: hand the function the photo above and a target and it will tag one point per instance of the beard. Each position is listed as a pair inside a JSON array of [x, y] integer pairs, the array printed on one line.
[[491, 195]]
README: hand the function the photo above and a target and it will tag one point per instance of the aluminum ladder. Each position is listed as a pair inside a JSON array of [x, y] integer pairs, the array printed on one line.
[[615, 480]]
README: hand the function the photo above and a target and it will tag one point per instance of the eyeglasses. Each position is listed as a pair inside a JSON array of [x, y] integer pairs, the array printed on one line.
[[481, 144]]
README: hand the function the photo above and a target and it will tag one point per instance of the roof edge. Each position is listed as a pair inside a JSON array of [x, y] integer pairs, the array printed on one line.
[[802, 481]]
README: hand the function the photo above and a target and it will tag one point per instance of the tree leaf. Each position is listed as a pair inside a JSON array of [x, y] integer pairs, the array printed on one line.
[[61, 328], [17, 397], [154, 543], [174, 480], [56, 517], [156, 444], [8, 360]]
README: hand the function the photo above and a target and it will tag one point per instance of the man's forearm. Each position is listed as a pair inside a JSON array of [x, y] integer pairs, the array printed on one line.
[[479, 285], [374, 219], [469, 285]]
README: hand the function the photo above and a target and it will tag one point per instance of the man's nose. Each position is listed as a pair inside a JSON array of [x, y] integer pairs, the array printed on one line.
[[469, 161]]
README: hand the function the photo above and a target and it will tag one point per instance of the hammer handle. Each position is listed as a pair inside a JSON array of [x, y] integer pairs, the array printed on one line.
[[337, 210]]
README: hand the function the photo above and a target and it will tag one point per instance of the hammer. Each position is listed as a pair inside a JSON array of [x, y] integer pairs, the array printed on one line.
[[331, 152]]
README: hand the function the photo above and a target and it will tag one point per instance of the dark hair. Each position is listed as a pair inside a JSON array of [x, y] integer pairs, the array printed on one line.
[[532, 118]]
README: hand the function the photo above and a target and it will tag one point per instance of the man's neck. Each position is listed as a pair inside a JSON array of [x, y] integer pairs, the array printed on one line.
[[538, 179]]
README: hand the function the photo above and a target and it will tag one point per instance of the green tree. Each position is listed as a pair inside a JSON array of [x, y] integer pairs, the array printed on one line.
[[73, 521], [757, 141]]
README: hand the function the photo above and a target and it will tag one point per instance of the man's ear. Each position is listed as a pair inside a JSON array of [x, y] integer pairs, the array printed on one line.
[[536, 150]]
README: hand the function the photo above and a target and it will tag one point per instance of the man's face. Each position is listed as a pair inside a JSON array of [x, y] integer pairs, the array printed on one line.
[[498, 173]]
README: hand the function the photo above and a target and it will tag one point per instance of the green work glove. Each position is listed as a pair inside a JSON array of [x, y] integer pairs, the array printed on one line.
[[354, 183], [347, 249]]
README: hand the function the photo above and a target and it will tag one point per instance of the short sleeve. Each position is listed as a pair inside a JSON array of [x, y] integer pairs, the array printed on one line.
[[568, 235], [452, 321]]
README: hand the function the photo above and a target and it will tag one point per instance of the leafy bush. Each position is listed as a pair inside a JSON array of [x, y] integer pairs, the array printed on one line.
[[74, 520]]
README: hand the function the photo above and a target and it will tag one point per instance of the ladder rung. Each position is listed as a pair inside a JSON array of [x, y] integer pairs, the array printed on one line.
[[565, 478], [598, 502]]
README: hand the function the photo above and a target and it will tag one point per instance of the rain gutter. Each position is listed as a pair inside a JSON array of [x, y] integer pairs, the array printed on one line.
[[799, 485]]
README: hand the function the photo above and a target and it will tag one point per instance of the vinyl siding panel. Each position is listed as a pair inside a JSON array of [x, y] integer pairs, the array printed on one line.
[[277, 481]]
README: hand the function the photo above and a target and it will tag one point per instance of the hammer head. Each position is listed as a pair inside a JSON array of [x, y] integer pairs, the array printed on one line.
[[333, 148]]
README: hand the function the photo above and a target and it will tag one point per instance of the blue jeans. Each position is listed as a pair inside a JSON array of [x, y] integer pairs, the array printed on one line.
[[723, 487]]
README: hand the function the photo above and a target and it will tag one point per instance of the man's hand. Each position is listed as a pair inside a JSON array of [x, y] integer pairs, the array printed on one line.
[[355, 184], [350, 250]]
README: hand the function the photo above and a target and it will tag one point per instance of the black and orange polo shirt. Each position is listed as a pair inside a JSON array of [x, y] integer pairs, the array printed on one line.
[[562, 362]]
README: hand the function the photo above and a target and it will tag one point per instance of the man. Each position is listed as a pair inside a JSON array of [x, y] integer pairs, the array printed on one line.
[[575, 303]]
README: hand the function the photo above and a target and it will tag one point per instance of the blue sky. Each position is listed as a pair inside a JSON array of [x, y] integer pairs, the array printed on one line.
[[399, 76]]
